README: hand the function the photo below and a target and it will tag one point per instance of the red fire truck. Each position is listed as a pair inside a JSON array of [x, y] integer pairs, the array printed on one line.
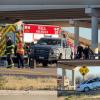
[[33, 32]]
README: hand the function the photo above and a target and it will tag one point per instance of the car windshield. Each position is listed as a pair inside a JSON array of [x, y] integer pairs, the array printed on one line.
[[49, 42], [91, 80]]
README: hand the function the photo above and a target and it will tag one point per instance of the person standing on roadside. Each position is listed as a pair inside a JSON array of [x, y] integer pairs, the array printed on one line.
[[9, 52], [20, 54], [87, 52], [79, 52], [31, 55]]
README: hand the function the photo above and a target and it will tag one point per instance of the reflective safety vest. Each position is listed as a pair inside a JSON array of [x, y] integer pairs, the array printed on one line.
[[20, 49]]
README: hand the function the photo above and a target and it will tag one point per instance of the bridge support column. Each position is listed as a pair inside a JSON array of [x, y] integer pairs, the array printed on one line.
[[76, 37], [63, 75], [94, 13], [94, 21], [76, 32], [73, 79]]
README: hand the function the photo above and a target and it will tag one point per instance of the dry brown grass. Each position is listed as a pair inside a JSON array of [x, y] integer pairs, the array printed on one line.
[[22, 83]]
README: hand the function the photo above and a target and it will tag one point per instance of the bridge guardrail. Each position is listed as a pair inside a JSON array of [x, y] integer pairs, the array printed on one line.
[[94, 55]]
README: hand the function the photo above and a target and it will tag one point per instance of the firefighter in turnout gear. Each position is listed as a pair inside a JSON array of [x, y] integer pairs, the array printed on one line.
[[9, 52], [20, 54]]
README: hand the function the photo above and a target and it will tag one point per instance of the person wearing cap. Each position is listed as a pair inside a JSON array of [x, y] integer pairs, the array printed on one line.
[[9, 52], [20, 54]]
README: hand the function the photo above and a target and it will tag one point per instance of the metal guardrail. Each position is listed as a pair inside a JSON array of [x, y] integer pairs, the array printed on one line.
[[94, 55], [72, 63]]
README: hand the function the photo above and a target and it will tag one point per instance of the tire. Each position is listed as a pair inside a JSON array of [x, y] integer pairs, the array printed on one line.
[[44, 64], [35, 63], [60, 56], [86, 89]]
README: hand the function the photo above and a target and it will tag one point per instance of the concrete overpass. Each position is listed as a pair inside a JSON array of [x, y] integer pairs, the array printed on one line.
[[49, 2], [64, 13], [59, 12], [47, 13]]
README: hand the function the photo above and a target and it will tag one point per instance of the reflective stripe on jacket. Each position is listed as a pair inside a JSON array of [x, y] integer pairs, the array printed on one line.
[[9, 47]]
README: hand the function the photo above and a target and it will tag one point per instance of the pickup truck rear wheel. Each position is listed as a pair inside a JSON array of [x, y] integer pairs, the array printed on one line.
[[60, 56], [35, 63], [44, 64]]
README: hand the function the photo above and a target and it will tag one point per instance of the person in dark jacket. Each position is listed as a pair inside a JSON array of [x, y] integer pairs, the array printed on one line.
[[87, 52], [31, 54], [79, 52], [9, 52]]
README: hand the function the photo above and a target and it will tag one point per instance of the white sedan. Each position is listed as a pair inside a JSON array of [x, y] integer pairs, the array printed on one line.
[[89, 85]]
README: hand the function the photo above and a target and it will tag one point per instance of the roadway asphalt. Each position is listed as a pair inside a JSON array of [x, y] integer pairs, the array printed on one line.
[[28, 95], [72, 92], [31, 73]]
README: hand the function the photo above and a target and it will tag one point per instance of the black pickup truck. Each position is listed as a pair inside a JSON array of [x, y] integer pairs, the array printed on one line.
[[49, 50]]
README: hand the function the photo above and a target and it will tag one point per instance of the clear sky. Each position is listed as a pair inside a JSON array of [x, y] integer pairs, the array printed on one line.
[[83, 32], [86, 33]]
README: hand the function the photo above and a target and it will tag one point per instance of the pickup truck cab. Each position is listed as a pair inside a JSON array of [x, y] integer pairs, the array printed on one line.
[[49, 50]]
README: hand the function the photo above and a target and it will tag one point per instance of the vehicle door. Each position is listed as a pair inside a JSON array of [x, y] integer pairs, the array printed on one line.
[[64, 49], [92, 83], [67, 50]]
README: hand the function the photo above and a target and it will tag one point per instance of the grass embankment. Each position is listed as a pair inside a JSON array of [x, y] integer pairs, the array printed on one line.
[[22, 83]]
